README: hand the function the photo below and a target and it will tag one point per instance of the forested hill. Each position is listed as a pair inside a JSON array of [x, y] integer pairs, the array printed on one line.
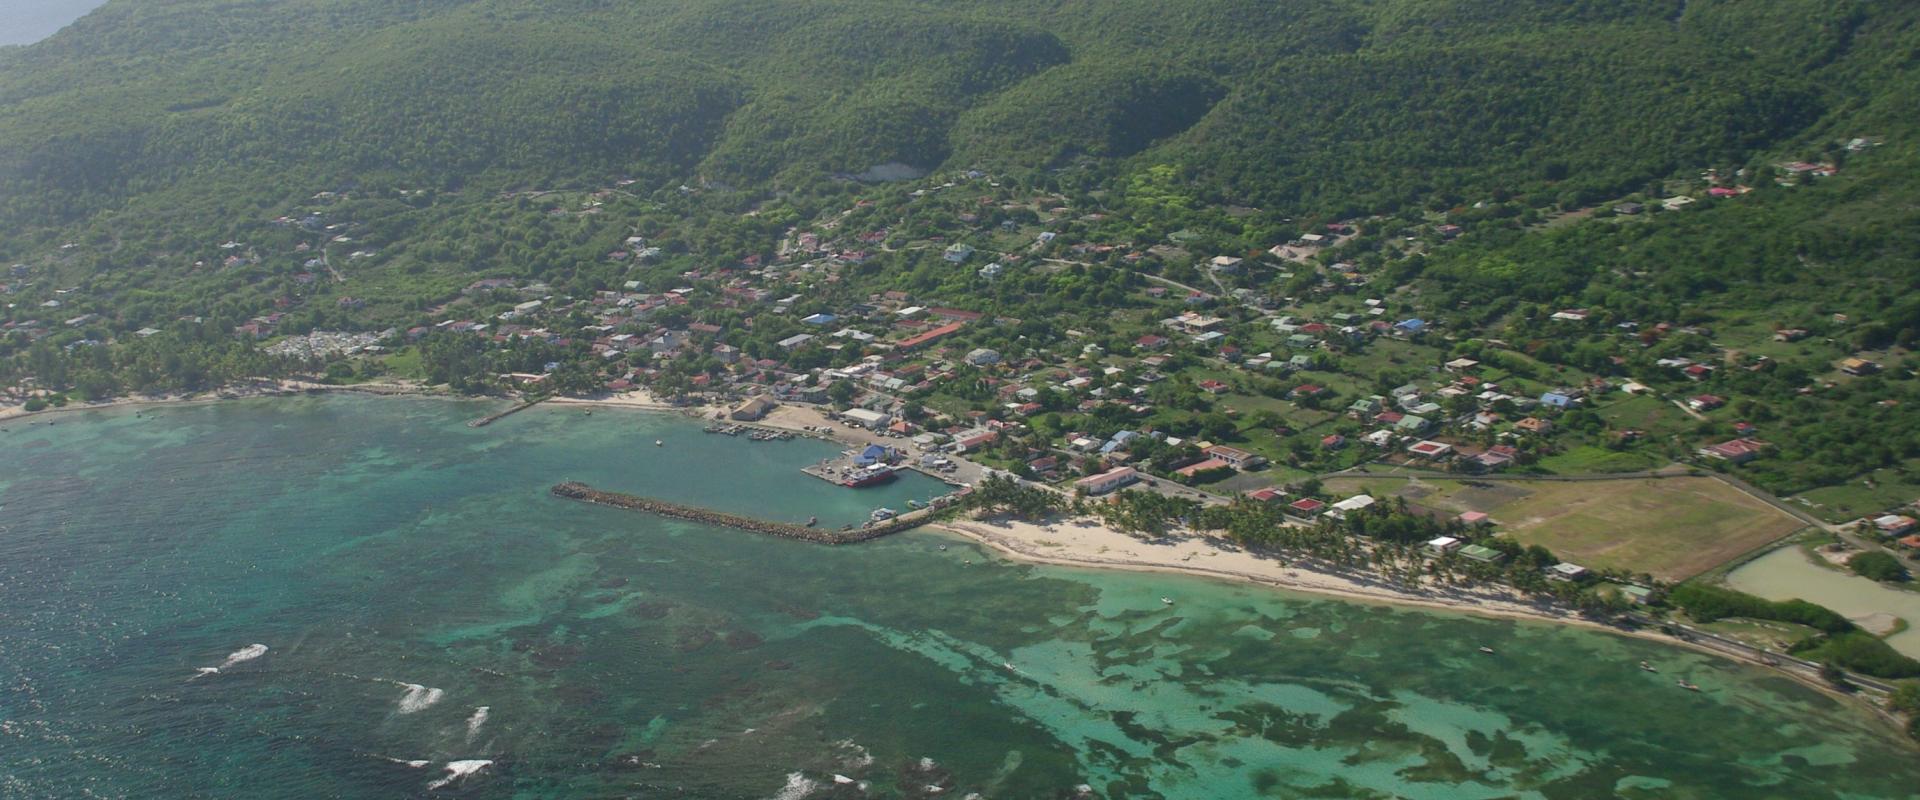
[[210, 107]]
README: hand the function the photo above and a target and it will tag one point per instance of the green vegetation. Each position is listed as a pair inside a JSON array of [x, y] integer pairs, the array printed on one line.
[[1708, 603], [1878, 566]]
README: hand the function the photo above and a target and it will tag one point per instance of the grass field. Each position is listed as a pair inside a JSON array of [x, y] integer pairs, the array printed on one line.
[[1857, 498], [1672, 528]]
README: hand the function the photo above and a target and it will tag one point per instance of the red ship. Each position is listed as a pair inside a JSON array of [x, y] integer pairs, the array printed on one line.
[[868, 476]]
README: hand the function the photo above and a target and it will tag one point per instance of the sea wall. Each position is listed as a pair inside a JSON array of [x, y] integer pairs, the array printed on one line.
[[584, 493]]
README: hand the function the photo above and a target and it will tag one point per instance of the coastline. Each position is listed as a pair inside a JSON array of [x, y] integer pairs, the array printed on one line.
[[1088, 544], [1075, 542]]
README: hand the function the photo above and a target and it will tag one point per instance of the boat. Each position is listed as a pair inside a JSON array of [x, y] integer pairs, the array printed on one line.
[[883, 514], [1648, 667], [658, 443], [916, 505], [812, 521], [1486, 649], [868, 476], [1688, 686]]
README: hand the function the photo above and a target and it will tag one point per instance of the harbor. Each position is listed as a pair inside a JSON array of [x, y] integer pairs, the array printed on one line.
[[878, 464]]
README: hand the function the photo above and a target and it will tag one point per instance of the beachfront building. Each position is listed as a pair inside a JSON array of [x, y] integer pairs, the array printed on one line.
[[1107, 481]]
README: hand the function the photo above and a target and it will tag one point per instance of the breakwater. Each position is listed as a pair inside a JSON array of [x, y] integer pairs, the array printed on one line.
[[579, 491], [498, 415]]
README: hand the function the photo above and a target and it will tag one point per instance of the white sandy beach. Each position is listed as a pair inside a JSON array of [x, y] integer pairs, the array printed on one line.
[[1086, 542]]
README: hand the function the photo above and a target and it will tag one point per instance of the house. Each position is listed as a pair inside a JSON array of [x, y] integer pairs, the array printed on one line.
[[1266, 496], [1462, 365], [1211, 386], [795, 341], [983, 357], [1332, 441], [1341, 509], [1534, 425], [1307, 507], [969, 442], [754, 408], [1556, 400], [1676, 202], [1859, 366], [992, 271], [1410, 326], [1570, 315], [1628, 209], [1705, 402], [958, 252], [921, 340], [819, 319], [1441, 545], [1107, 481], [1737, 451], [1236, 458], [1198, 467], [1411, 424], [1894, 524], [1151, 342], [1483, 554], [1475, 518], [1430, 449], [1227, 264], [1564, 571]]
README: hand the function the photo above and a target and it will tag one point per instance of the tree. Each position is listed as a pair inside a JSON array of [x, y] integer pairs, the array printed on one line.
[[1878, 566]]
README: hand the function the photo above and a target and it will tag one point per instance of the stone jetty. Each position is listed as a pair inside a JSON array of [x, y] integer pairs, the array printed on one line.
[[498, 415], [584, 493]]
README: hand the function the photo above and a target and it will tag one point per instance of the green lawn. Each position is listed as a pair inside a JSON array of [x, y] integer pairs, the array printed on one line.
[[1588, 460], [1856, 498]]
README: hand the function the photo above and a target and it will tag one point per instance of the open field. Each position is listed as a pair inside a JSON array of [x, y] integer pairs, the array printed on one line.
[[1672, 528]]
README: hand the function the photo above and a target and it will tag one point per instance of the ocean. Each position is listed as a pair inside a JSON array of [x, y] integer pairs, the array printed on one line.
[[356, 597]]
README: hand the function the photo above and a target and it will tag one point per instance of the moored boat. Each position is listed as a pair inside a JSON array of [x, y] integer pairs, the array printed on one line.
[[868, 476]]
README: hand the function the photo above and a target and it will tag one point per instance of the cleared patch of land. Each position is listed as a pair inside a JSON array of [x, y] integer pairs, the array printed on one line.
[[1671, 528]]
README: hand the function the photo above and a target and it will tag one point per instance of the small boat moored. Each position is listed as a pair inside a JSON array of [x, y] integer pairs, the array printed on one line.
[[1687, 686], [1648, 667], [1486, 649], [883, 514]]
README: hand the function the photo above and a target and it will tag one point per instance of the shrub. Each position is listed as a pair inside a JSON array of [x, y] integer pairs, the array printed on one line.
[[1878, 566]]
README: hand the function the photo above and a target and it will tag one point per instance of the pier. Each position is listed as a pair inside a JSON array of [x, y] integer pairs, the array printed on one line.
[[500, 415], [587, 494]]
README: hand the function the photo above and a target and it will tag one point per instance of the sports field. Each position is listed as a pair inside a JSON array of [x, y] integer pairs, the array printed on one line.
[[1672, 528]]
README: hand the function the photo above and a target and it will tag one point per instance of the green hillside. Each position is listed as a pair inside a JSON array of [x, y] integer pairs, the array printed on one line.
[[1315, 105]]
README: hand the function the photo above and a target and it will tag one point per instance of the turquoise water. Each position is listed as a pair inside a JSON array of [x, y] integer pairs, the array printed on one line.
[[404, 571]]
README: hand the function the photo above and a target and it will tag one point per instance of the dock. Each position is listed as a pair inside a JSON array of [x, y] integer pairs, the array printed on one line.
[[500, 415], [579, 491], [754, 433]]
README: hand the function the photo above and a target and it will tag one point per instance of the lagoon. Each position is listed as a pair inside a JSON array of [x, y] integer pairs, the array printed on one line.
[[1789, 574], [406, 572]]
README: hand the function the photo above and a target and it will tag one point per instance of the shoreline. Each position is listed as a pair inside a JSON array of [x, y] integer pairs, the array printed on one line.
[[1087, 544]]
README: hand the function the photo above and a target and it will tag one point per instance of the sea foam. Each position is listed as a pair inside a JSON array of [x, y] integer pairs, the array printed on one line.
[[798, 786], [418, 698], [478, 719], [457, 770], [240, 656]]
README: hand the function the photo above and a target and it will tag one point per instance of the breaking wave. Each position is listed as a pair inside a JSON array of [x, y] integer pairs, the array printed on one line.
[[419, 698], [458, 770]]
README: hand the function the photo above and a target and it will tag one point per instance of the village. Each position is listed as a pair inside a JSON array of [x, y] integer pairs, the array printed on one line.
[[1011, 334]]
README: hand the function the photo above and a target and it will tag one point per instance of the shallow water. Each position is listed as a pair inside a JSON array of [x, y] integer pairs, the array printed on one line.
[[405, 571], [1789, 574]]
